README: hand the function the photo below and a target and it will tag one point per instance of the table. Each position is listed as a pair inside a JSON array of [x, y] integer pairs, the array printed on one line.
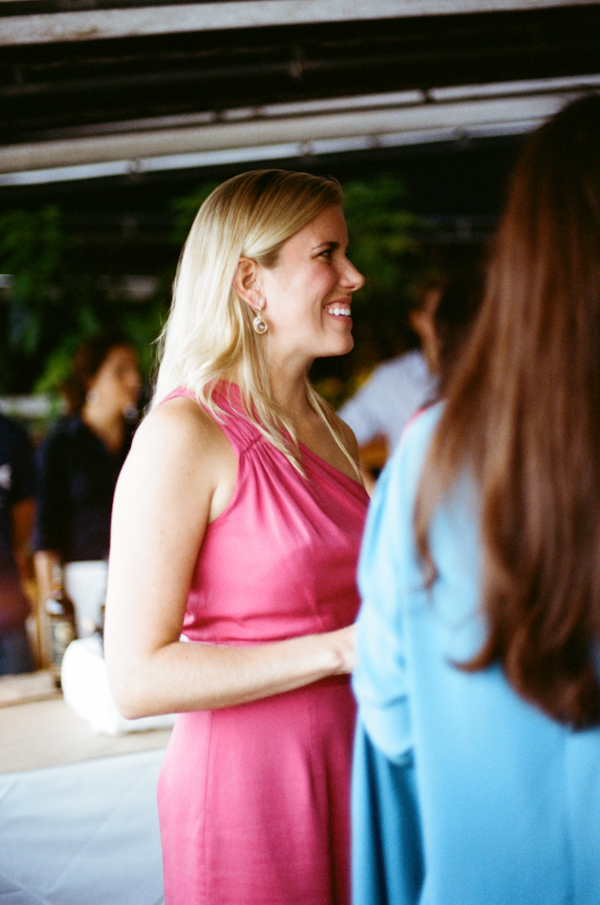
[[78, 815]]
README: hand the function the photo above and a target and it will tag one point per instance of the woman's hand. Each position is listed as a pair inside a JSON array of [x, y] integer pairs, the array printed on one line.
[[343, 642]]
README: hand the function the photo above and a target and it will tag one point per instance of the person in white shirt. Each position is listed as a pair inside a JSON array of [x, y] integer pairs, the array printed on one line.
[[396, 389], [399, 387]]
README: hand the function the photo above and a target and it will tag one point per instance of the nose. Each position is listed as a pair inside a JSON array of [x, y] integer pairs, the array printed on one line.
[[352, 279]]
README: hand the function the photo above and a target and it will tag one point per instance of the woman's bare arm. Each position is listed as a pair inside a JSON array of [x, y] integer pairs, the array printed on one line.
[[180, 474]]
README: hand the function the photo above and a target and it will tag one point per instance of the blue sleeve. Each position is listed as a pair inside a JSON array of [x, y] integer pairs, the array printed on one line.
[[389, 579], [387, 856]]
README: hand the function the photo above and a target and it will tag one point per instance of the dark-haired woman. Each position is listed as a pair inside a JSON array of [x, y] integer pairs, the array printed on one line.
[[78, 465], [477, 767]]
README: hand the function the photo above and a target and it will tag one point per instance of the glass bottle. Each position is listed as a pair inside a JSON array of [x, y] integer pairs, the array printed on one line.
[[60, 613]]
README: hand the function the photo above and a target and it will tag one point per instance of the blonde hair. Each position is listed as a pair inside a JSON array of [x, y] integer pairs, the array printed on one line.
[[209, 335]]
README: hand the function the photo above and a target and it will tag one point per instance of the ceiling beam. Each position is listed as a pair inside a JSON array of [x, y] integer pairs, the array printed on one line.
[[260, 137], [89, 25]]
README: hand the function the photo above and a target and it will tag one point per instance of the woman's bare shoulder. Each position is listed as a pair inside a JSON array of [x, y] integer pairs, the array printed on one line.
[[180, 438], [183, 425]]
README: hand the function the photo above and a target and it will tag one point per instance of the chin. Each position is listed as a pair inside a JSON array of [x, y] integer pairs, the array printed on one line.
[[342, 348]]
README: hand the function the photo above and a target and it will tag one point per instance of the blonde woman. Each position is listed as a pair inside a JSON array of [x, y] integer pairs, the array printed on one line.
[[237, 523]]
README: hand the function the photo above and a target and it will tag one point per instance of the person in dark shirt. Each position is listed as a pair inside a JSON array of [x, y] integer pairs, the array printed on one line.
[[77, 468], [17, 483]]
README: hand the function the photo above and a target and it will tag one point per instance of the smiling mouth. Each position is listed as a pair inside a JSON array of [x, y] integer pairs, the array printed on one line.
[[340, 311]]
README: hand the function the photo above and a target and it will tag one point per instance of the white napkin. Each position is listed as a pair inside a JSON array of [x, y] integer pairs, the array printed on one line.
[[85, 689]]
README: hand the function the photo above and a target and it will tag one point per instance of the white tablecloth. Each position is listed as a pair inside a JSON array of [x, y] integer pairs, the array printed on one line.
[[82, 834]]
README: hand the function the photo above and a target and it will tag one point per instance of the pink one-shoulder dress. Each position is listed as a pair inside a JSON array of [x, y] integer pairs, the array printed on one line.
[[254, 799]]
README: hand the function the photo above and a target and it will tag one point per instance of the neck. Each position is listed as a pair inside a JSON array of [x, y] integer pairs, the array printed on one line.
[[288, 387], [106, 424], [289, 392]]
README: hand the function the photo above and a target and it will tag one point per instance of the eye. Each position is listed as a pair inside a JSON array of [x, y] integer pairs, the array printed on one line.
[[326, 253]]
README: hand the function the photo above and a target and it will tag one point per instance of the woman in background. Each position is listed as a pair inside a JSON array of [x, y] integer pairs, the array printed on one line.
[[78, 464], [237, 521], [477, 770]]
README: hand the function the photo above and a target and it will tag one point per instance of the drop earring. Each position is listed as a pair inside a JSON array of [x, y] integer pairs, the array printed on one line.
[[259, 324]]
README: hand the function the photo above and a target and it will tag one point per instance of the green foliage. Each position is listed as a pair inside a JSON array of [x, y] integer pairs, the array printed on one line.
[[144, 323], [379, 228], [384, 250], [31, 251], [58, 365], [50, 307], [186, 208]]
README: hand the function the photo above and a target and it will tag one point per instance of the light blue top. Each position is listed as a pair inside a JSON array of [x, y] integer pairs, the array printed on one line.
[[464, 794]]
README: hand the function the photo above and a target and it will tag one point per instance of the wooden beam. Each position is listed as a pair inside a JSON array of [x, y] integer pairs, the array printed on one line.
[[90, 25], [277, 137]]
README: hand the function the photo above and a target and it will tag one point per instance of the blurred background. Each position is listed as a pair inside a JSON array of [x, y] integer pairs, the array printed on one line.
[[117, 117]]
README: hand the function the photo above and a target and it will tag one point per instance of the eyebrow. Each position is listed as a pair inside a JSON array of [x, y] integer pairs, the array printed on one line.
[[332, 245]]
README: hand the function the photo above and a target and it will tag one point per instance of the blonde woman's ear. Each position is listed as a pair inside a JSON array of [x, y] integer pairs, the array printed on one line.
[[247, 283]]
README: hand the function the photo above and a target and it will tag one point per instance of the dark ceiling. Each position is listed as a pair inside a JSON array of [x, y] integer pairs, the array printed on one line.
[[60, 94], [56, 89]]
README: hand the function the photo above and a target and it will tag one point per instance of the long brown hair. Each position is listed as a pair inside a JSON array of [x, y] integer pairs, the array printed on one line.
[[522, 415]]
